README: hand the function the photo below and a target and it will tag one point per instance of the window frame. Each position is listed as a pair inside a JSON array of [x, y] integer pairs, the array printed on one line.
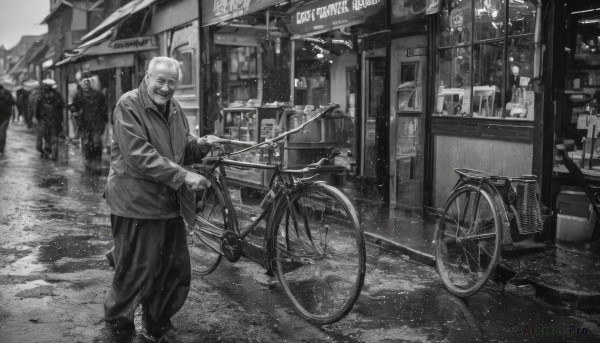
[[185, 49], [472, 44]]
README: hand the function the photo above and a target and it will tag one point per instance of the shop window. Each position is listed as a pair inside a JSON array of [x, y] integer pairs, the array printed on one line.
[[238, 69], [185, 56], [485, 59]]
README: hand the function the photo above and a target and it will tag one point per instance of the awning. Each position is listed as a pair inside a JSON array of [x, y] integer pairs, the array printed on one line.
[[216, 11], [320, 16], [62, 3], [130, 8], [172, 14], [102, 45], [108, 62], [96, 40]]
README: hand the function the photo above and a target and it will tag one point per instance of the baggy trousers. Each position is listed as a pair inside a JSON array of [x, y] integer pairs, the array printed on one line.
[[152, 268], [3, 128]]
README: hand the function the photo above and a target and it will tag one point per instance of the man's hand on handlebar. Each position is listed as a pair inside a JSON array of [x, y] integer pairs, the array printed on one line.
[[207, 142], [196, 182]]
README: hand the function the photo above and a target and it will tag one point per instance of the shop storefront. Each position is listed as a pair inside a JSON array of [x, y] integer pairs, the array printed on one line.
[[575, 81], [272, 69], [117, 52], [486, 103]]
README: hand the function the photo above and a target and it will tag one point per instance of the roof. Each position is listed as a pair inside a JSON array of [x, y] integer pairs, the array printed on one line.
[[130, 8], [36, 51], [62, 3], [24, 44]]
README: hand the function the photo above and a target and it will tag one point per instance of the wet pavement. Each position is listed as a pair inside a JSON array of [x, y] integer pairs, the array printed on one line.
[[564, 274], [54, 230]]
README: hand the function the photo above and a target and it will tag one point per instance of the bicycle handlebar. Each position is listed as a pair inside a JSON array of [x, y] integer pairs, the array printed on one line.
[[313, 166], [281, 136]]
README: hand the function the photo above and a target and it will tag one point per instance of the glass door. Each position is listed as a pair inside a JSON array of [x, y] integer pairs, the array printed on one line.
[[375, 112], [406, 168]]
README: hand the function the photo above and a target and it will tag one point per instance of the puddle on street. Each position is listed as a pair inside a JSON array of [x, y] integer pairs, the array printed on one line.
[[59, 183], [68, 265], [23, 266], [69, 246], [16, 288]]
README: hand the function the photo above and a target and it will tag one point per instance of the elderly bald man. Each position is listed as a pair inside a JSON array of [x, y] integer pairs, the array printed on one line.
[[151, 142]]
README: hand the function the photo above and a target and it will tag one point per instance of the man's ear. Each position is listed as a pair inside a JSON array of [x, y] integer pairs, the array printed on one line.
[[146, 76]]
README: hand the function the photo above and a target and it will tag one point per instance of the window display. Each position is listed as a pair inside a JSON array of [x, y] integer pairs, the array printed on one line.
[[485, 59]]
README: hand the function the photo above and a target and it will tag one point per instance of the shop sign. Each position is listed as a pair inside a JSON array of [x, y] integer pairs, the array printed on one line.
[[133, 43], [322, 15], [216, 11]]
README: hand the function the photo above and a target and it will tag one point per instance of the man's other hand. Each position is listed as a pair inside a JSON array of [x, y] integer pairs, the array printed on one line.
[[196, 182]]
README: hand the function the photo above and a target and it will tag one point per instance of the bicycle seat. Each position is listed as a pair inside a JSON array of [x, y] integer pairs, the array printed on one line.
[[474, 174]]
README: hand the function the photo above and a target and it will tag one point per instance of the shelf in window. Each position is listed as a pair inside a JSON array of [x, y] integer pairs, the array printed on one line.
[[579, 100], [461, 45]]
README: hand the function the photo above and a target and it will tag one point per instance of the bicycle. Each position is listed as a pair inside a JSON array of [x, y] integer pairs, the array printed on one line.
[[476, 223], [313, 239]]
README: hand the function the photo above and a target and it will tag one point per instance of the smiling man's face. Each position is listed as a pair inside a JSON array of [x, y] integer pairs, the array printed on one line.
[[162, 82]]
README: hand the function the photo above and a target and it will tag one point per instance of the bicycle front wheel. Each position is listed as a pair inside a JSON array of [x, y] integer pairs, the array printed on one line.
[[467, 240], [204, 241], [319, 252]]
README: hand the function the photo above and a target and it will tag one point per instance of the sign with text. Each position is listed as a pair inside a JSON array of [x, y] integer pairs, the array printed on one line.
[[216, 11], [319, 16], [134, 43]]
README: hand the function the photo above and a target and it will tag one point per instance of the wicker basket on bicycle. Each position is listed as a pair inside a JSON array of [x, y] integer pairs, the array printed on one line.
[[521, 195]]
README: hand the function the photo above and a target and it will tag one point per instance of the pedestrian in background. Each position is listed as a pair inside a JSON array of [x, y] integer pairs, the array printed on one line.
[[48, 108], [23, 105], [91, 112], [6, 108], [151, 141]]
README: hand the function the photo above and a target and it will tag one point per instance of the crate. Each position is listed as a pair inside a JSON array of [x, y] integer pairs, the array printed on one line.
[[573, 228], [572, 202]]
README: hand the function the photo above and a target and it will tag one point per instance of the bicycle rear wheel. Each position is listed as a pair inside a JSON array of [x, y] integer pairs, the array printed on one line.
[[205, 236], [467, 240], [319, 252]]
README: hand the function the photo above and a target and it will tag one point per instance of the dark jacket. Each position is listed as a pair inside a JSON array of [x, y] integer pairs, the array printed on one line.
[[22, 97], [48, 108], [6, 103], [92, 110], [146, 157]]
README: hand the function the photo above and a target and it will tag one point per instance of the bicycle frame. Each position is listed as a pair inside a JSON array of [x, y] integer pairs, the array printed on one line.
[[220, 164], [488, 185]]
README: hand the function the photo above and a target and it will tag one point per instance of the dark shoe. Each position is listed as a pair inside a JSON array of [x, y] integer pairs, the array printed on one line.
[[119, 334], [170, 337], [110, 258]]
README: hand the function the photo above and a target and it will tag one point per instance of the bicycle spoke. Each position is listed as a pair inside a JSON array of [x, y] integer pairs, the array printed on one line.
[[467, 241], [205, 240], [317, 256], [208, 243], [206, 222]]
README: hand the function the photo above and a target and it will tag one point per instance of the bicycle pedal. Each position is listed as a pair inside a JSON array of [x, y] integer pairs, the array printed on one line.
[[231, 246]]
